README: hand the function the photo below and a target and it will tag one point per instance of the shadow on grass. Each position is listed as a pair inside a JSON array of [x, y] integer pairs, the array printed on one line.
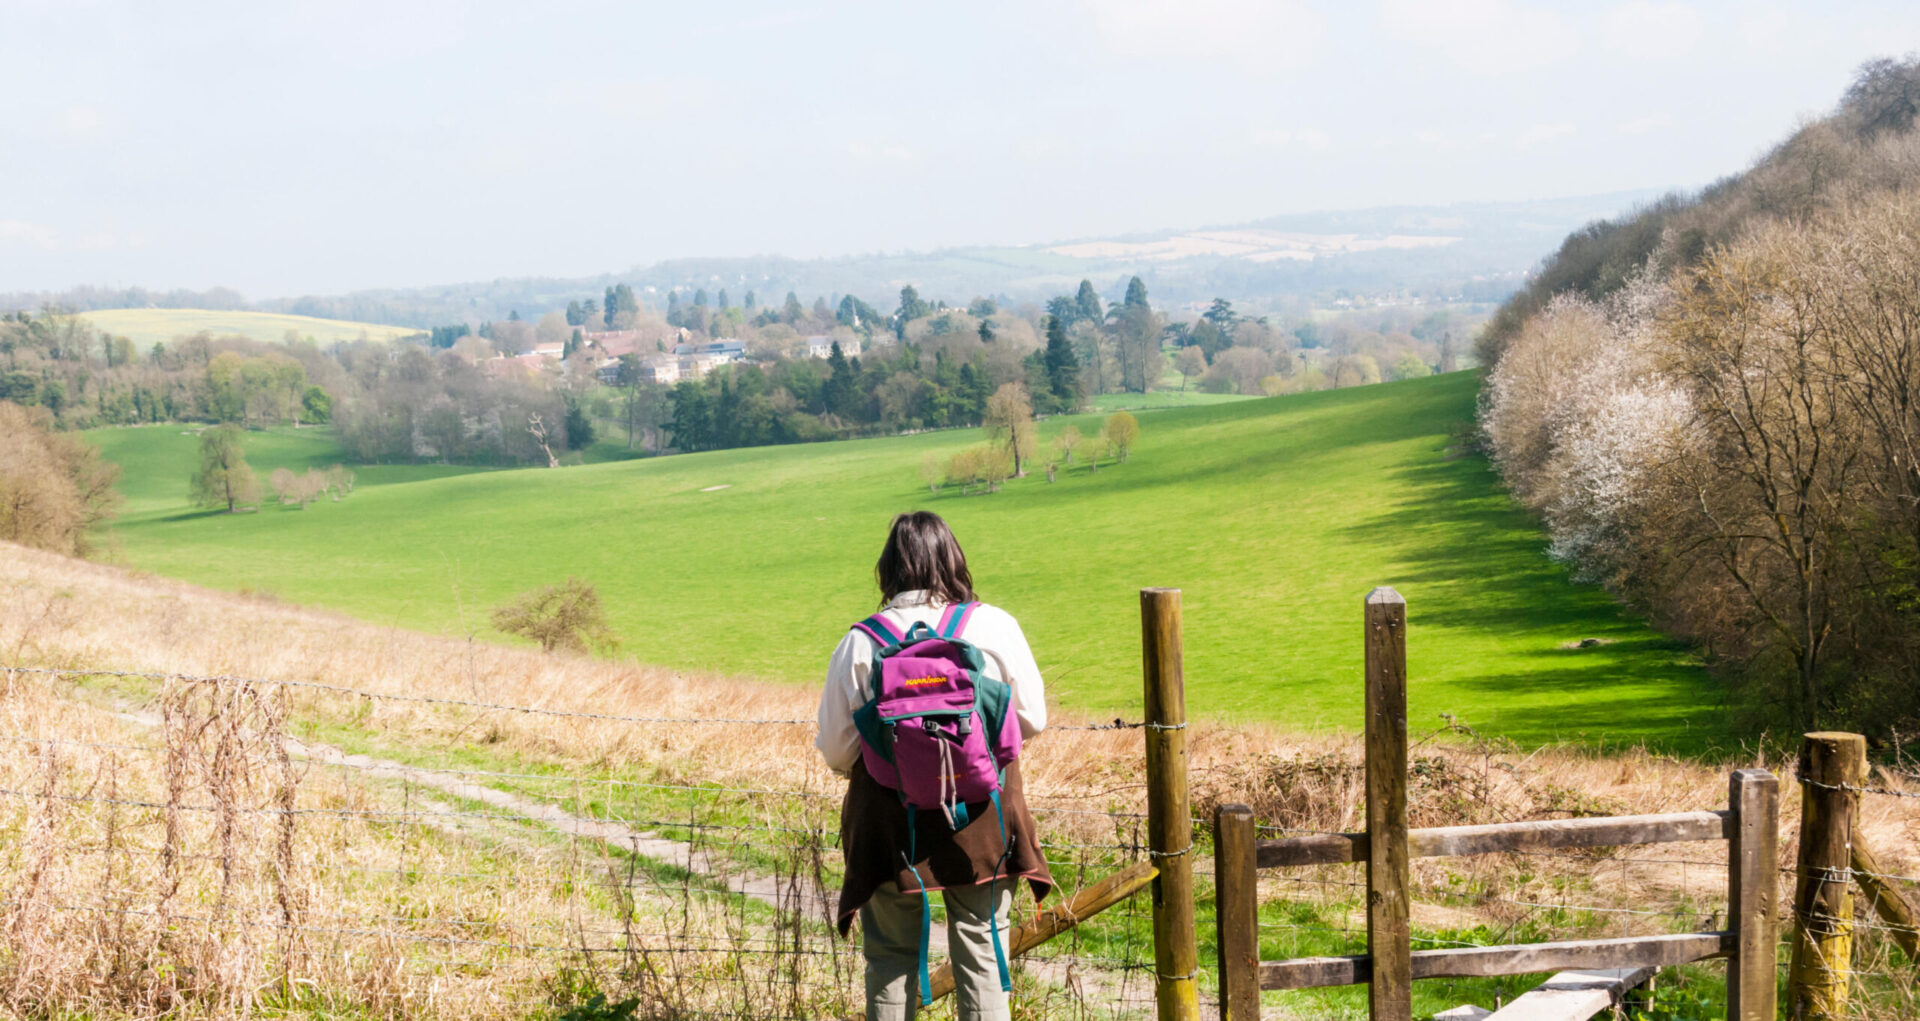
[[1474, 561], [199, 513], [1664, 716]]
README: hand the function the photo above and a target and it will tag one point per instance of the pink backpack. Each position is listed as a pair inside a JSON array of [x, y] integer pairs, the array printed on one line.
[[938, 730], [941, 733]]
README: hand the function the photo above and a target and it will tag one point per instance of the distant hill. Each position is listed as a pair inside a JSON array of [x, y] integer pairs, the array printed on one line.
[[1472, 252], [146, 326]]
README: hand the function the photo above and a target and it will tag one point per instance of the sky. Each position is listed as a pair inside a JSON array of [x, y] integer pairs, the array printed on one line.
[[284, 148]]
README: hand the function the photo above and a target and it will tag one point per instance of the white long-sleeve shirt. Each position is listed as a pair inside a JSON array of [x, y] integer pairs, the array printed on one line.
[[850, 683]]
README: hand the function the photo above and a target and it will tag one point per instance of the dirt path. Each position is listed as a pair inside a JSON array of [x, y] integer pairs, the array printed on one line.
[[1092, 984], [771, 890]]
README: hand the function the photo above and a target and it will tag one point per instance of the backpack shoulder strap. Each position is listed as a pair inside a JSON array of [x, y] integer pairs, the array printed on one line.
[[880, 630], [954, 620]]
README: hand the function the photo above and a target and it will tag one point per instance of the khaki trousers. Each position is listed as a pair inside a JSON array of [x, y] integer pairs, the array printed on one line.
[[890, 931]]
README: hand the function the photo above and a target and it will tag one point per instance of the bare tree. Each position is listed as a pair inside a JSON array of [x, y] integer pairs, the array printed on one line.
[[1010, 425], [1191, 361], [1067, 442], [1770, 489], [538, 430]]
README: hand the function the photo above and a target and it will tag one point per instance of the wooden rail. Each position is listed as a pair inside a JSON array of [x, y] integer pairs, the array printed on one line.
[[1452, 841], [1573, 995], [1489, 962], [1388, 848], [1903, 922], [1053, 921]]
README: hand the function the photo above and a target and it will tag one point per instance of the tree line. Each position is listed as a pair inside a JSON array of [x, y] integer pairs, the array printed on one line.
[[450, 395], [1715, 411]]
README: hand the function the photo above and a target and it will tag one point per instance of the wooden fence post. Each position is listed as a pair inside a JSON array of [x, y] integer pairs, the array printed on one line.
[[1753, 898], [1236, 912], [1389, 872], [1176, 957], [1833, 766]]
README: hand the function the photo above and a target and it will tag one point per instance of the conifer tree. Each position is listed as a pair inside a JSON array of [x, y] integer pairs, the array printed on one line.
[[1088, 303], [1063, 369]]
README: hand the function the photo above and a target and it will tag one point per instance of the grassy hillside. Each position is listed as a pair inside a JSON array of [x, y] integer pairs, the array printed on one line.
[[149, 325], [1160, 399], [1275, 516]]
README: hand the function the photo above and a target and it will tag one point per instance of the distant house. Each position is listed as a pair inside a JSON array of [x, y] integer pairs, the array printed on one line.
[[506, 365], [696, 360], [822, 347], [719, 352], [664, 371], [626, 342]]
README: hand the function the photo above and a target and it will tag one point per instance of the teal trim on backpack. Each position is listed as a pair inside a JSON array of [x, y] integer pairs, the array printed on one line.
[[993, 912], [992, 699], [926, 911], [879, 629], [873, 730]]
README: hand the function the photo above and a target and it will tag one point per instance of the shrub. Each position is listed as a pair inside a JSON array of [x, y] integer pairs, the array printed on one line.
[[565, 616], [1122, 431], [53, 488]]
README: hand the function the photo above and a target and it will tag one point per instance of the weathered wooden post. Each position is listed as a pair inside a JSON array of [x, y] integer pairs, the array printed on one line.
[[1833, 766], [1176, 957], [1236, 912], [1753, 898], [1389, 872]]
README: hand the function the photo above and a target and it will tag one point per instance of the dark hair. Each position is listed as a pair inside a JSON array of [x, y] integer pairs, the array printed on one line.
[[921, 553]]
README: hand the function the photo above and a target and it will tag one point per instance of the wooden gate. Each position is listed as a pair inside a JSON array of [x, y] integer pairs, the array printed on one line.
[[1749, 825]]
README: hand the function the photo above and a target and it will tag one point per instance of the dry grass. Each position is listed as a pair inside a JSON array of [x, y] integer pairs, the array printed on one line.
[[208, 897]]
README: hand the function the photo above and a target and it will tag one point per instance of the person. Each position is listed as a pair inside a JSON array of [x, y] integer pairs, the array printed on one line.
[[921, 571]]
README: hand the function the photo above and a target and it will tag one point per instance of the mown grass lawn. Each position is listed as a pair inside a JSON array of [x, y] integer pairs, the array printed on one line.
[[146, 326], [1275, 516]]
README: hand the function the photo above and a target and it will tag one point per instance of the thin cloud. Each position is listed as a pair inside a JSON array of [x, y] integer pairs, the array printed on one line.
[[80, 122], [1646, 30], [881, 151], [1643, 125], [1253, 36], [20, 233], [1483, 36], [1541, 134], [1309, 139]]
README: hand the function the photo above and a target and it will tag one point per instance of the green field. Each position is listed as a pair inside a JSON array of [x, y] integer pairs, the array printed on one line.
[[1275, 516], [1161, 399], [147, 326]]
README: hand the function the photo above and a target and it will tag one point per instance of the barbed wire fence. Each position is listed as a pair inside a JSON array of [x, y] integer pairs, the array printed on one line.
[[1863, 959], [238, 843]]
